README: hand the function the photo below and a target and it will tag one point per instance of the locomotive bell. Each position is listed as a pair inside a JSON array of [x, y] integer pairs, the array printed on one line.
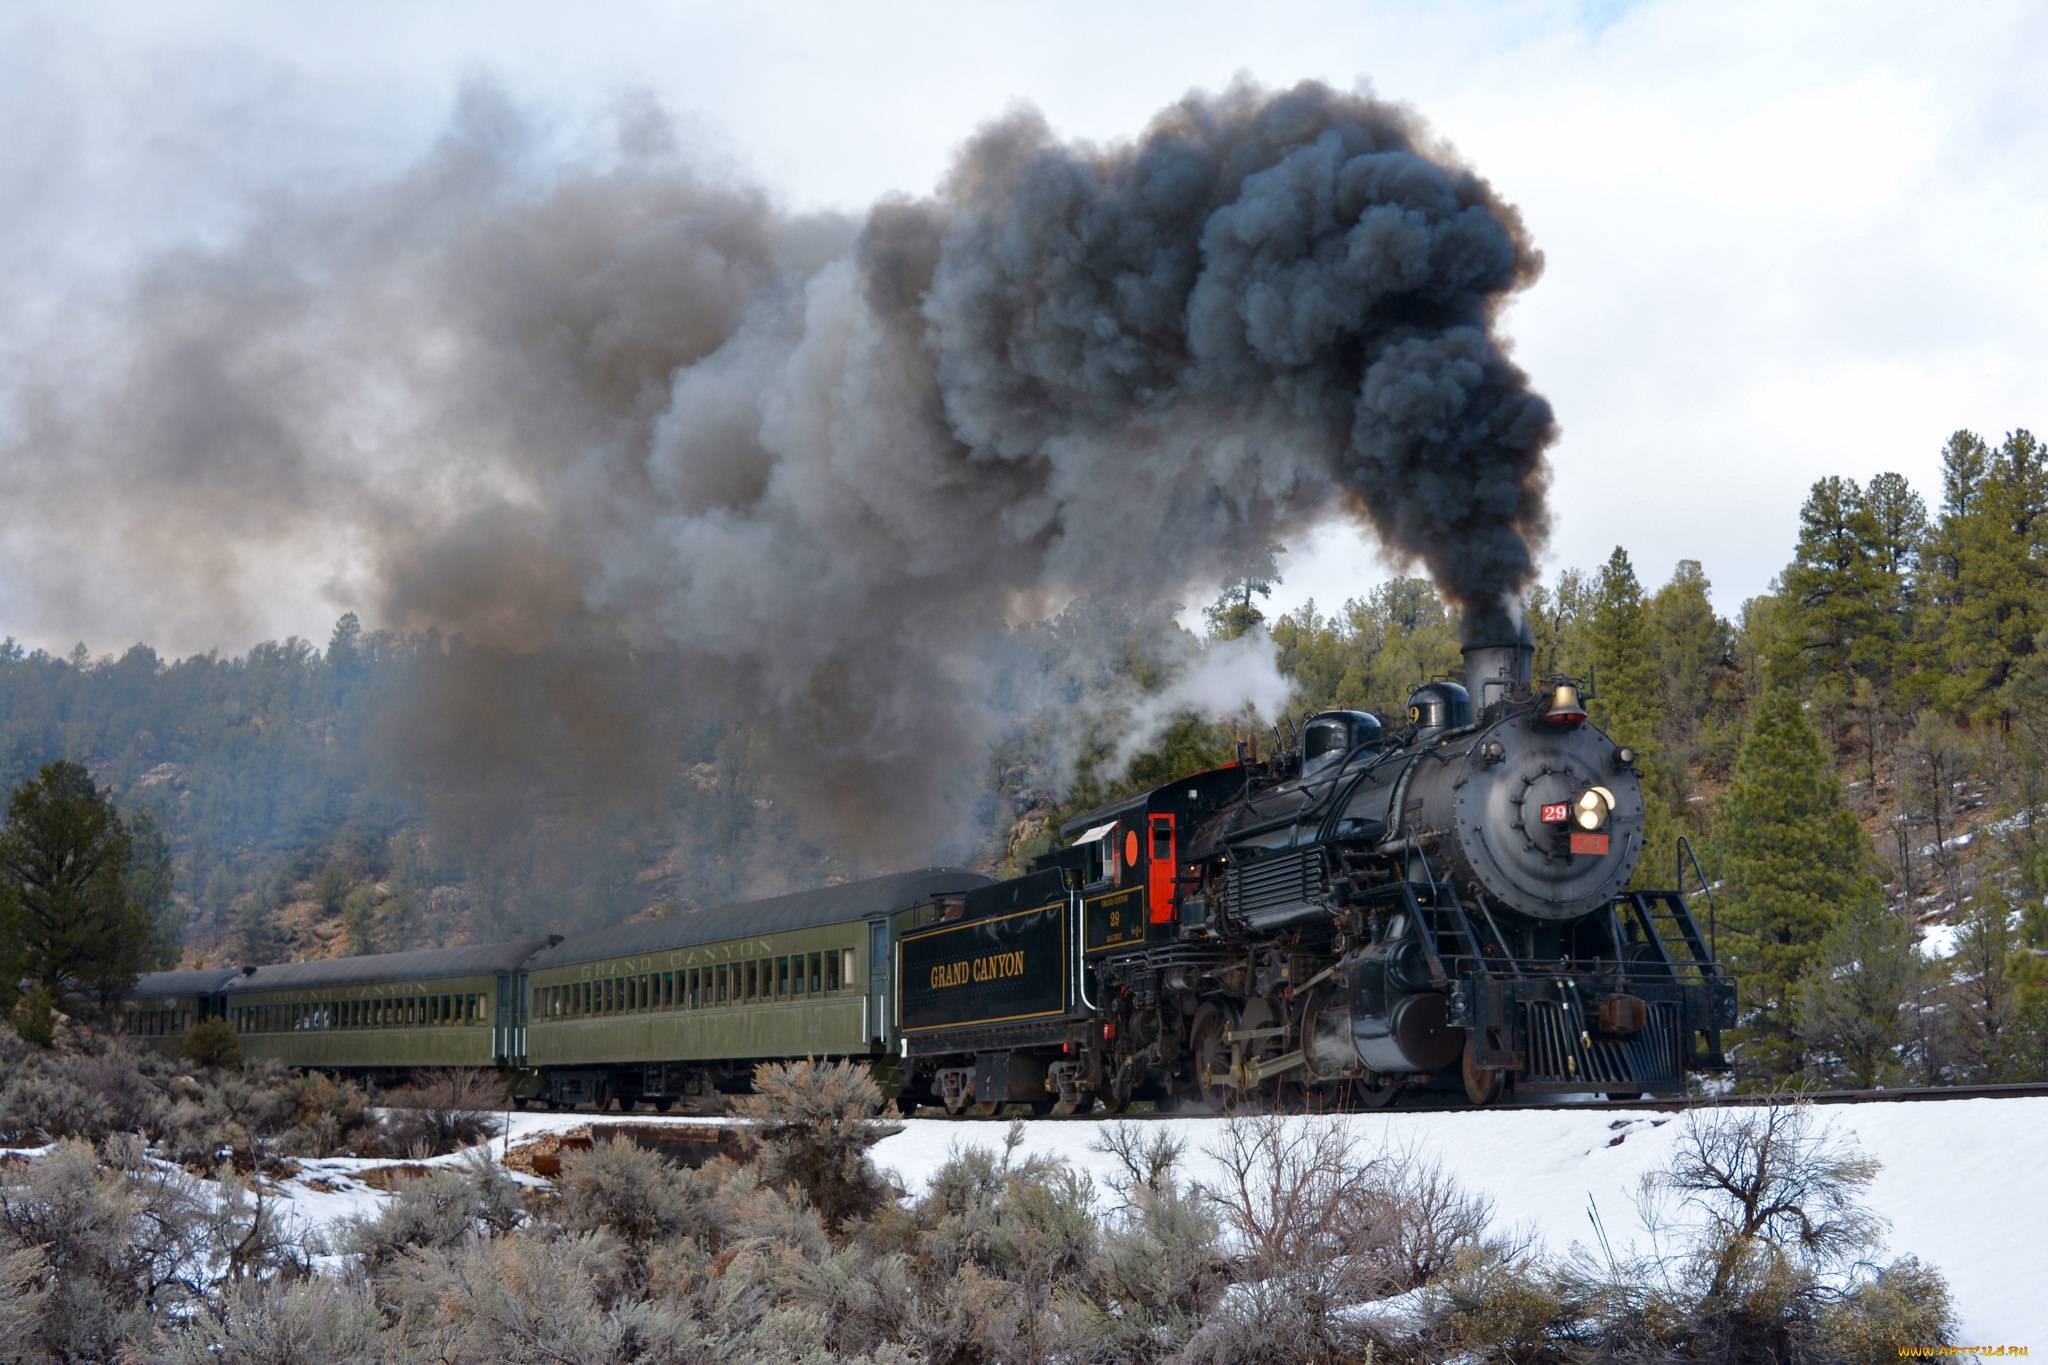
[[1565, 707]]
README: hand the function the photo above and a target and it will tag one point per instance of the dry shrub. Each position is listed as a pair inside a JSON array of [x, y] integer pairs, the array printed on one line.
[[1499, 1306], [814, 1125], [555, 1297], [444, 1111], [864, 1302], [24, 1289], [1006, 1248], [274, 1322], [262, 1112], [1299, 1192], [50, 1095], [116, 1239], [1761, 1249], [1319, 1228], [1159, 1266], [442, 1208], [325, 1116], [634, 1194], [1905, 1304]]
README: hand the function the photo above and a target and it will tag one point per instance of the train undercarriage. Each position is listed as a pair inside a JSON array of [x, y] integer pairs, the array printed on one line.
[[1442, 1001]]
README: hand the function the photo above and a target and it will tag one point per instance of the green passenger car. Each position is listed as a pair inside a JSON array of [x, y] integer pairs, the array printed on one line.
[[394, 1012], [682, 1008], [164, 1006]]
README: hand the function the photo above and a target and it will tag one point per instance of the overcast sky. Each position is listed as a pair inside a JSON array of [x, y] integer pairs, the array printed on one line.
[[1782, 241]]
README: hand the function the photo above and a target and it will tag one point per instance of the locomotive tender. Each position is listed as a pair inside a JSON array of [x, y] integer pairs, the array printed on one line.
[[1361, 916]]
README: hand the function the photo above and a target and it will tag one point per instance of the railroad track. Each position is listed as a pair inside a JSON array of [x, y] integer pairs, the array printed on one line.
[[1671, 1103]]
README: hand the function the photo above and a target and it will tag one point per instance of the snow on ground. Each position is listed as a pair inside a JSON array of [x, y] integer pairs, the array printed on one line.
[[1964, 1183], [1938, 941]]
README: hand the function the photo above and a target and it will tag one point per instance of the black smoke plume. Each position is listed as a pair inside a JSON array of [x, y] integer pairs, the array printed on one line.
[[614, 400]]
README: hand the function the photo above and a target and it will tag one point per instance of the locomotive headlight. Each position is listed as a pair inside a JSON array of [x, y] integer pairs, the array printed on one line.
[[1592, 808]]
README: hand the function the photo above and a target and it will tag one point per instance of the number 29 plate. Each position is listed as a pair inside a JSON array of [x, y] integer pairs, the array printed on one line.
[[1589, 843], [1557, 814]]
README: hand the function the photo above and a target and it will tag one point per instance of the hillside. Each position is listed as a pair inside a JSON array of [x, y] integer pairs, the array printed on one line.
[[1856, 758]]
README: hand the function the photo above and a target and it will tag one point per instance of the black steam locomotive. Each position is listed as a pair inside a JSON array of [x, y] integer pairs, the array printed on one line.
[[1445, 908]]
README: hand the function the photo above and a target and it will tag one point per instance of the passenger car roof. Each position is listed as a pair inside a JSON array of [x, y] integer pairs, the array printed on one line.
[[800, 910], [199, 981], [424, 964]]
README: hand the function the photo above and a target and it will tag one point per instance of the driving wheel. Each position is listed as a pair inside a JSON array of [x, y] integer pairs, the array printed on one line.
[[1483, 1084], [1377, 1093], [1211, 1059]]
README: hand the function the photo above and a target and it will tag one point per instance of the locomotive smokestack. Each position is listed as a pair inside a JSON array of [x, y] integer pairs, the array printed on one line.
[[1500, 668]]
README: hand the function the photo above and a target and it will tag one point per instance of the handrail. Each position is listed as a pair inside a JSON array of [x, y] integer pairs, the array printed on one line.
[[1424, 931], [1415, 846], [1081, 950], [1679, 856]]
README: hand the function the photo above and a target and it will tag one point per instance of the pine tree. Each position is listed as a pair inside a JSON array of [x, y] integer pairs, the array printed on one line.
[[1986, 1041], [1853, 999], [1700, 689], [1850, 587], [1557, 620], [1691, 647], [13, 953], [1252, 573], [1627, 703], [1987, 565], [151, 880], [1371, 655], [1897, 528], [69, 862], [1625, 671], [1832, 578], [1795, 864]]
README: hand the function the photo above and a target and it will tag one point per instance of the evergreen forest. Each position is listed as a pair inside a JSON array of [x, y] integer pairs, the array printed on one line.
[[1858, 757]]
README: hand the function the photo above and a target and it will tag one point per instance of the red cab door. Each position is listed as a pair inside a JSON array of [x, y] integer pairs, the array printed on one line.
[[1163, 860]]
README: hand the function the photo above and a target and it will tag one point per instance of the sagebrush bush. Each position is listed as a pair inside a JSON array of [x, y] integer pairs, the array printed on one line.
[[1159, 1266], [444, 1111], [813, 1126], [440, 1209], [632, 1193], [1006, 1245], [120, 1242], [49, 1095], [1318, 1226], [314, 1321], [1308, 1248], [260, 1112], [24, 1289], [1764, 1251], [1905, 1304]]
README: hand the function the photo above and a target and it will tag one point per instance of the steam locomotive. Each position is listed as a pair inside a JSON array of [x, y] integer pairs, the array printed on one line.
[[1362, 915]]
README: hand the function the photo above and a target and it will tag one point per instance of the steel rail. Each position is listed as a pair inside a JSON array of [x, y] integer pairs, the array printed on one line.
[[1667, 1103]]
